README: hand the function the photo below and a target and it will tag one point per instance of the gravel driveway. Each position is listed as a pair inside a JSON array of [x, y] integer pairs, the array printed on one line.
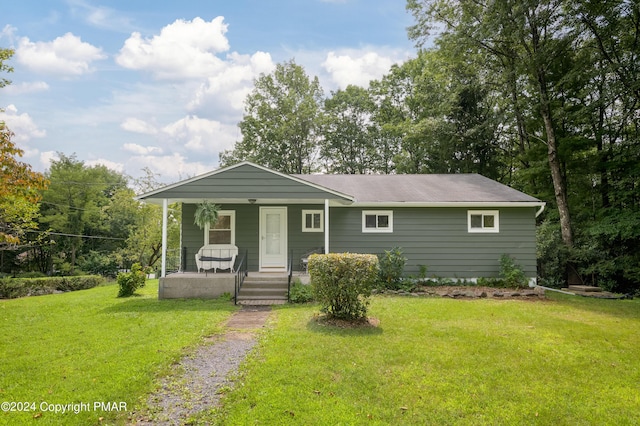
[[205, 372]]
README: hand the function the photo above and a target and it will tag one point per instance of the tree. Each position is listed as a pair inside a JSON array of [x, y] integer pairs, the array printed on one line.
[[19, 184], [75, 206], [281, 122], [19, 193], [349, 132]]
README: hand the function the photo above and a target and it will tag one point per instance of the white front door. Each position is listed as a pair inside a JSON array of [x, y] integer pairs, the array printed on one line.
[[273, 238]]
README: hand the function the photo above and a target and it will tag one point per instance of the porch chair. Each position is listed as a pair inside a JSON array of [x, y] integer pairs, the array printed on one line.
[[216, 256], [304, 259]]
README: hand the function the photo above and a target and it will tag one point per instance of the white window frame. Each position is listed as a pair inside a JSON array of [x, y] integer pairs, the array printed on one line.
[[483, 213], [304, 220], [231, 213], [377, 213]]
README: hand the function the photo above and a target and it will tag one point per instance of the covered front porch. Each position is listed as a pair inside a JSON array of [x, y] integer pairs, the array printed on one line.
[[269, 219]]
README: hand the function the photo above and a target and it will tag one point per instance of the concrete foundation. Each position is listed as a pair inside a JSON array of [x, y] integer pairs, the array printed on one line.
[[195, 286]]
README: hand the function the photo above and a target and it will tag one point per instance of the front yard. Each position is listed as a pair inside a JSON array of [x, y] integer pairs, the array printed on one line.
[[566, 360]]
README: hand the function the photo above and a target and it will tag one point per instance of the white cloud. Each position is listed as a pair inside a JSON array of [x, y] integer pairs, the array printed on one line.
[[112, 165], [141, 150], [201, 135], [8, 32], [47, 157], [136, 125], [359, 67], [22, 125], [170, 167], [100, 16], [26, 87], [184, 49], [229, 87], [67, 55]]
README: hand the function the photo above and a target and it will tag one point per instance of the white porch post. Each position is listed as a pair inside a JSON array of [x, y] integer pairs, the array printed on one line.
[[326, 226], [165, 211]]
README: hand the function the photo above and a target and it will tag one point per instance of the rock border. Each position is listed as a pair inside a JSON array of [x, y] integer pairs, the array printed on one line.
[[471, 292]]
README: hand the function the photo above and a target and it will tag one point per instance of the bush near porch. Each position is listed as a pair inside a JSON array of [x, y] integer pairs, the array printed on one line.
[[342, 282]]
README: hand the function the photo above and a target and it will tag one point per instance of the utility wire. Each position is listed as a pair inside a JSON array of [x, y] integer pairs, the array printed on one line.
[[76, 235]]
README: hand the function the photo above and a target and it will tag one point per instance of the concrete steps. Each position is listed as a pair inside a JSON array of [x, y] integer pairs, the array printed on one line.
[[264, 287], [591, 291]]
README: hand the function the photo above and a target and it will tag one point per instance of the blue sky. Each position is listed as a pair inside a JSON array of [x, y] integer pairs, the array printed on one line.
[[161, 85]]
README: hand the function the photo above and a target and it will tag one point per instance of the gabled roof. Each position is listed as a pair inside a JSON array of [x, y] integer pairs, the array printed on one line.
[[242, 182], [424, 188]]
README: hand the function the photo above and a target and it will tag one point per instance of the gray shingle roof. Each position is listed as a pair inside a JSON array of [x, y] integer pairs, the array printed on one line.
[[426, 188]]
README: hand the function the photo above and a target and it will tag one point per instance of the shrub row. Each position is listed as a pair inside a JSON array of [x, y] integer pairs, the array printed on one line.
[[11, 288], [342, 282]]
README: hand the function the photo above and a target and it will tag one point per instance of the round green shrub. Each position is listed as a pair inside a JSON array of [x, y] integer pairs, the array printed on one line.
[[342, 283]]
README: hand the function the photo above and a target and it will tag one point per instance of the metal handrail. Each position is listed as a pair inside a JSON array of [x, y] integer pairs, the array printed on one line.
[[241, 274], [289, 273]]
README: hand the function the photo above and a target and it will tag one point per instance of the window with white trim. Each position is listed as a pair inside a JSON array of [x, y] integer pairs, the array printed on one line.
[[224, 231], [312, 221], [483, 220], [377, 221]]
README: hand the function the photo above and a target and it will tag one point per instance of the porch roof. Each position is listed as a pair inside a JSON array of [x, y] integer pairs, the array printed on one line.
[[245, 183]]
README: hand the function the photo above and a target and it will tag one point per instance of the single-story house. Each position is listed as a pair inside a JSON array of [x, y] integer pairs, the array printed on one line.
[[455, 225]]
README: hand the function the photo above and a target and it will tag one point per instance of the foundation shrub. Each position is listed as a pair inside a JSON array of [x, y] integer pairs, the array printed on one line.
[[342, 283], [300, 293], [392, 264]]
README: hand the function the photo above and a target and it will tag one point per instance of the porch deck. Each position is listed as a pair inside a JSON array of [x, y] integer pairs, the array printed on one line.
[[191, 285]]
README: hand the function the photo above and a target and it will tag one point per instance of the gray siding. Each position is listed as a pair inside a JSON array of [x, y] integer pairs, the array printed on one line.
[[247, 233], [435, 237], [438, 238]]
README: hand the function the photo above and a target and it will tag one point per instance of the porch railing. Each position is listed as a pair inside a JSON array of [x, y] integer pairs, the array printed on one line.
[[241, 274], [289, 275]]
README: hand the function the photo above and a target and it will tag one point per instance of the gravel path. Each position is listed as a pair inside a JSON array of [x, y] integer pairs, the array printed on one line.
[[206, 372]]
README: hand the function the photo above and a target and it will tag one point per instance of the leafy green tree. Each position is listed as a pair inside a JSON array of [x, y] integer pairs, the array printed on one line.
[[74, 208], [281, 122], [19, 184], [19, 193], [349, 133]]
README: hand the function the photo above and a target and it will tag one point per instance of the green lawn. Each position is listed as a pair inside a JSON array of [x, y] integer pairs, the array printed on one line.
[[89, 346], [566, 361]]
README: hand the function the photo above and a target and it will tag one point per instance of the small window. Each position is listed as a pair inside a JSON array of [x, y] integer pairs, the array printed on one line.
[[223, 232], [312, 221], [483, 221], [377, 221]]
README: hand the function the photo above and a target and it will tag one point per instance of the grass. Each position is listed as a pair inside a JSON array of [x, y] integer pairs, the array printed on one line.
[[89, 346], [567, 361]]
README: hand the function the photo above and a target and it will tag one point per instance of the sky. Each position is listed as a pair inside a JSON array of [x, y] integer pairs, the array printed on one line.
[[161, 84]]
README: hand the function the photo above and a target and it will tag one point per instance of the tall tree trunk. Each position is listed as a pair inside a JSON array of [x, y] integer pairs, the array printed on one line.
[[559, 182]]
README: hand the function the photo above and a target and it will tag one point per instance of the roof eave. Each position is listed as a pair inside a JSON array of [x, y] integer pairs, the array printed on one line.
[[443, 204]]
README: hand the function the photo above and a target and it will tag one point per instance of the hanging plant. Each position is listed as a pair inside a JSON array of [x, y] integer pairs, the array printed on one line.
[[206, 214]]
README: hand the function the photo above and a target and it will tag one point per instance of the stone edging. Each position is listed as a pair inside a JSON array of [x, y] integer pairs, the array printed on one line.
[[468, 292]]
